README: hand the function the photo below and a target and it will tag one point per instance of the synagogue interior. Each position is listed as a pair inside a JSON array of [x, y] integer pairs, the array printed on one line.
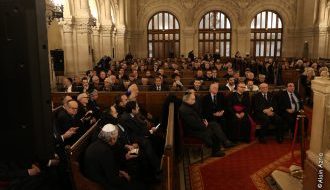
[[166, 94]]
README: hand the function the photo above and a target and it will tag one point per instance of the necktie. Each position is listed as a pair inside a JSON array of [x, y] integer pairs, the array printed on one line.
[[213, 98], [294, 102], [265, 96]]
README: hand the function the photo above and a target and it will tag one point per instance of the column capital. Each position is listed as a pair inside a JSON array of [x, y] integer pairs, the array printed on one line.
[[96, 30], [121, 28], [83, 25], [67, 25], [107, 28]]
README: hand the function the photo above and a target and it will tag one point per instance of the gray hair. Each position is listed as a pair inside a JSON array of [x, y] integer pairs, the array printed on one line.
[[186, 96], [106, 136]]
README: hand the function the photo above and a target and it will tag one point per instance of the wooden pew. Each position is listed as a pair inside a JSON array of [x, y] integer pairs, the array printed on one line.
[[170, 180], [151, 101], [74, 154], [290, 76]]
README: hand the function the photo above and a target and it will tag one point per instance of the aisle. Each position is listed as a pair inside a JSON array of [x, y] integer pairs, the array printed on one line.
[[243, 167]]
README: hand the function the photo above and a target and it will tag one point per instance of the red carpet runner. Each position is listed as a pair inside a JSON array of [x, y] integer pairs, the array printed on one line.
[[243, 168]]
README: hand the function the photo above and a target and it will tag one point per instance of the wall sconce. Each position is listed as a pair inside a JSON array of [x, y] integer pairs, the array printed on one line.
[[55, 10]]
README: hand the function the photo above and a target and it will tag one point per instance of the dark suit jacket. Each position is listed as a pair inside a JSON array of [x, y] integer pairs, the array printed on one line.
[[101, 164], [225, 88], [64, 122], [136, 128], [260, 103], [162, 88], [284, 102], [209, 107], [191, 118]]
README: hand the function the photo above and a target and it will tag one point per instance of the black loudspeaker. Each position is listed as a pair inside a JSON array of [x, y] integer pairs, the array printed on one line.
[[26, 127], [58, 61]]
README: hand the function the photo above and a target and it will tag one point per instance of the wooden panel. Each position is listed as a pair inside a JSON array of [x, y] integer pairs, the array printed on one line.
[[151, 101], [290, 76]]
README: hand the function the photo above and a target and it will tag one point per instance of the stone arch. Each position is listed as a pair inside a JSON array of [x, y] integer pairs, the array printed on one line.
[[229, 8], [158, 7], [224, 7], [278, 8]]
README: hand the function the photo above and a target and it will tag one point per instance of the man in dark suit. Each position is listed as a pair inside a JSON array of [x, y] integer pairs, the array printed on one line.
[[158, 85], [213, 105], [265, 111], [66, 122], [290, 105], [137, 129], [197, 85], [211, 133], [103, 160]]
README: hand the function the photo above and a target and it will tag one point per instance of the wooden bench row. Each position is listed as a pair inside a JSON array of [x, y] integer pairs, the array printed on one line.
[[151, 101], [76, 151]]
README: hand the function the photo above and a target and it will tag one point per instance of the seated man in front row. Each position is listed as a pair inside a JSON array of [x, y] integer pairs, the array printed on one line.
[[210, 133], [266, 109]]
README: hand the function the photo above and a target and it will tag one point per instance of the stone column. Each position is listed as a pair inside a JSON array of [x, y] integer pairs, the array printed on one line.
[[106, 40], [188, 39], [323, 45], [96, 43], [317, 164], [67, 41], [121, 48], [83, 44], [241, 41]]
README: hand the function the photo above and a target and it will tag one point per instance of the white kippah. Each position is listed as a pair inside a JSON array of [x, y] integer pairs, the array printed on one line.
[[109, 128]]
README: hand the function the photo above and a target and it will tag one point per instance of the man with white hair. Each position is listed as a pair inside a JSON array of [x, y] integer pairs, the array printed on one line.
[[102, 163], [210, 133]]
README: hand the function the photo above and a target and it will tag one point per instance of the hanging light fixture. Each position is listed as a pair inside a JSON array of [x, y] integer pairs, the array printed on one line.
[[55, 10], [92, 21]]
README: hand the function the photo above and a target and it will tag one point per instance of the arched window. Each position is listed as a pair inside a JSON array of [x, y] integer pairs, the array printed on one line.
[[214, 34], [163, 36], [266, 35]]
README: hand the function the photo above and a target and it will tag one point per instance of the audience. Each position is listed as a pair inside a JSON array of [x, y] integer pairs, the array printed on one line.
[[215, 117]]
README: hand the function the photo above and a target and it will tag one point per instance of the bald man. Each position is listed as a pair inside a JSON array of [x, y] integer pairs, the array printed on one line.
[[266, 112], [66, 123]]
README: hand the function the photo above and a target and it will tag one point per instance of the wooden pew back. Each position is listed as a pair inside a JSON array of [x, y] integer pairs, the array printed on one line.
[[151, 101], [168, 165], [74, 154]]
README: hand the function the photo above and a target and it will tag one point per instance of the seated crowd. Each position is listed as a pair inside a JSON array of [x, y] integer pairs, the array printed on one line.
[[125, 152], [171, 74]]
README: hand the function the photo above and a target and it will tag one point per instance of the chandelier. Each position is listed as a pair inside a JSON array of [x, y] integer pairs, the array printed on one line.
[[55, 9]]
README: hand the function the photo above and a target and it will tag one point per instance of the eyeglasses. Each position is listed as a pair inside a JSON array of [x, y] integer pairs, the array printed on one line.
[[74, 108]]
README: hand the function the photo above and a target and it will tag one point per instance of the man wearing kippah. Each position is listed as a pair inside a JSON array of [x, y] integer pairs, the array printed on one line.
[[102, 163]]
